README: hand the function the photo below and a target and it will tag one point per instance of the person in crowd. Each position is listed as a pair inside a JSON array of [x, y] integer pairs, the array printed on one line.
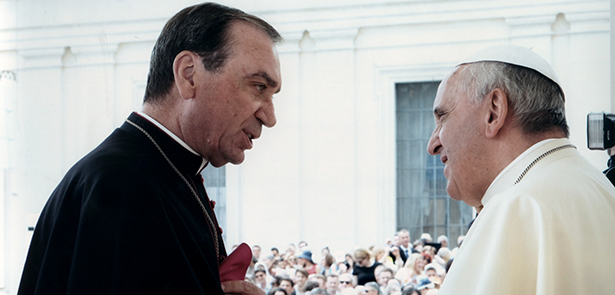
[[412, 269], [410, 290], [501, 132], [275, 252], [384, 276], [306, 262], [426, 257], [287, 284], [432, 272], [283, 268], [132, 216], [373, 288], [444, 255], [443, 241], [328, 265], [309, 286], [302, 246], [332, 284], [292, 262], [393, 287], [395, 239], [250, 271], [350, 263], [301, 277], [365, 269], [418, 245], [425, 285], [290, 249], [381, 254], [320, 279], [360, 289], [405, 249], [431, 251], [395, 254], [260, 280], [426, 237], [278, 291], [256, 252], [346, 281], [318, 291]]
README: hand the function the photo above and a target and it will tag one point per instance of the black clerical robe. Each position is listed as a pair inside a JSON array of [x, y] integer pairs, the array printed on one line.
[[122, 221]]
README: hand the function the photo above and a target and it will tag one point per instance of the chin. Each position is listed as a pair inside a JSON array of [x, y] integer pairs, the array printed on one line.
[[236, 160]]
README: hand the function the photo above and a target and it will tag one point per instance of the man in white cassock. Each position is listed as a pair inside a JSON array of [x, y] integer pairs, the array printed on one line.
[[547, 224]]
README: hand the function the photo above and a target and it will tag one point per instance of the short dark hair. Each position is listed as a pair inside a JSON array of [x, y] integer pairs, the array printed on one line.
[[286, 278], [203, 29], [303, 271]]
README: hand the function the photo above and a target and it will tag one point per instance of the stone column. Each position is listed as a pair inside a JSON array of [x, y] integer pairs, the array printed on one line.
[[8, 95]]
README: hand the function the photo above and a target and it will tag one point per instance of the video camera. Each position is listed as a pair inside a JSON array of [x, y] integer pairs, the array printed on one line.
[[600, 131]]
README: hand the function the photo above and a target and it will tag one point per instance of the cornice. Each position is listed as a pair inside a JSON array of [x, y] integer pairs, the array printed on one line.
[[332, 27]]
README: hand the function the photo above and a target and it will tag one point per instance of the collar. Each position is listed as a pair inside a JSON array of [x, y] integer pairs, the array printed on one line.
[[175, 137], [506, 179], [178, 152]]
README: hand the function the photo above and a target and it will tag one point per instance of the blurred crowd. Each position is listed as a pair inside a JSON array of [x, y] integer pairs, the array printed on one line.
[[398, 267]]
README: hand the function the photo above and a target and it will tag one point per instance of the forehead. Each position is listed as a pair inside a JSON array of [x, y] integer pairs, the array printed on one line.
[[253, 51], [449, 93]]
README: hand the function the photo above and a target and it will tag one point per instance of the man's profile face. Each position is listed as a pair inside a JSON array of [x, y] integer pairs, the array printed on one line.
[[232, 104], [456, 139]]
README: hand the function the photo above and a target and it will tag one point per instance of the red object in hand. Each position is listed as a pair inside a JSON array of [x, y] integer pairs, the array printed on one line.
[[235, 266]]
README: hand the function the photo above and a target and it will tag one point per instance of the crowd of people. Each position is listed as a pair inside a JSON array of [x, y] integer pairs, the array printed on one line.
[[395, 268]]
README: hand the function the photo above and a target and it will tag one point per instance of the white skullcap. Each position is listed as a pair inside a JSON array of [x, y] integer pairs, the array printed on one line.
[[515, 55]]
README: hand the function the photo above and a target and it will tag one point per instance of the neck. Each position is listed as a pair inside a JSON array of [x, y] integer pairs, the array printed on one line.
[[166, 114]]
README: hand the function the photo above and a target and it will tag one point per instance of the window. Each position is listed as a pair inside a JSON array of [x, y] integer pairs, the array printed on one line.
[[215, 185], [423, 205]]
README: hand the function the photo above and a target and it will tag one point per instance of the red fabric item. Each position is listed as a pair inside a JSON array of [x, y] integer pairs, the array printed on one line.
[[235, 266]]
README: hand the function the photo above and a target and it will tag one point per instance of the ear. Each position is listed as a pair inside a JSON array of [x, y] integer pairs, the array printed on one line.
[[184, 67], [496, 103]]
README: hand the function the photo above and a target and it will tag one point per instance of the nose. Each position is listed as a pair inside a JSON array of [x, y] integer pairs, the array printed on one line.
[[434, 145], [266, 114]]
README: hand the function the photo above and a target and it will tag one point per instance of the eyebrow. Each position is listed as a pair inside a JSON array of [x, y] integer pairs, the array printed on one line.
[[270, 81]]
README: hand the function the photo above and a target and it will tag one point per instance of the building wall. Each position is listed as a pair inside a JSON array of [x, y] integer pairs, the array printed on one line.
[[326, 172]]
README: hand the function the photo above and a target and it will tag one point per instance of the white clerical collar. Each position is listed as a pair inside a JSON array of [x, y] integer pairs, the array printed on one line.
[[506, 178], [172, 135]]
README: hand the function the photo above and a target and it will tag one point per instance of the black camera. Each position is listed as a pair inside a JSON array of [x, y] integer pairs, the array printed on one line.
[[600, 131]]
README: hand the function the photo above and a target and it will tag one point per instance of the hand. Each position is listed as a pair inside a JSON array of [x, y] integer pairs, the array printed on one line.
[[241, 287], [395, 252]]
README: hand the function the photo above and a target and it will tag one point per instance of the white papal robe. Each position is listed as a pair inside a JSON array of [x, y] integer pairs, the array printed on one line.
[[552, 233]]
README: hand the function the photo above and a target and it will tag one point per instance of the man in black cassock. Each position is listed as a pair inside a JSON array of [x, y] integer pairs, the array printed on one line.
[[133, 217]]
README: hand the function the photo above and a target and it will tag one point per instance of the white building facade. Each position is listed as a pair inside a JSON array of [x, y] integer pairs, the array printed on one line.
[[72, 71]]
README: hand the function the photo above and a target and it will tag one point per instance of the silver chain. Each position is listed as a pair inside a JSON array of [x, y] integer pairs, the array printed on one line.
[[214, 231], [541, 157]]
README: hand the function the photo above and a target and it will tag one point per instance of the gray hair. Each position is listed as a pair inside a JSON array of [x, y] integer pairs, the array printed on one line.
[[536, 102]]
